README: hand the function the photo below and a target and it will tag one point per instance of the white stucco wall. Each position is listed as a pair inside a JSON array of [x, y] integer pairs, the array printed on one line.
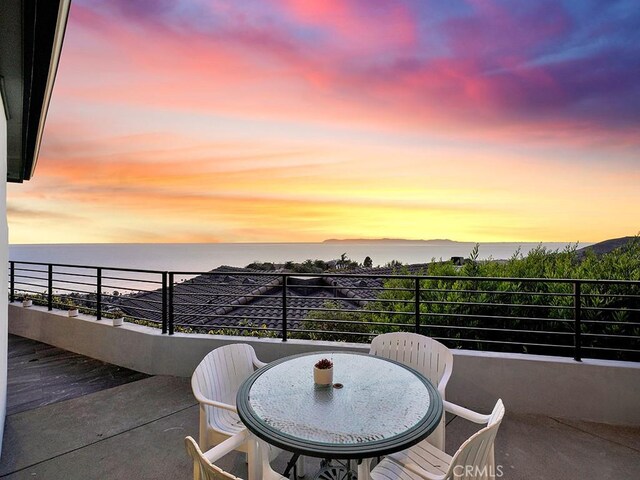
[[596, 390], [4, 258]]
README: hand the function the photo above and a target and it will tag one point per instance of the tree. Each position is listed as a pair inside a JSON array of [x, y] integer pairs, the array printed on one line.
[[368, 263], [393, 264]]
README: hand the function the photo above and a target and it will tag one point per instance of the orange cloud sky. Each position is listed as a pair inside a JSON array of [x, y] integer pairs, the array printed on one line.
[[302, 120]]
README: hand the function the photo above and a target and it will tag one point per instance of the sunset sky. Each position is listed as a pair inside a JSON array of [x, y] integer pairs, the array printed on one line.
[[301, 120]]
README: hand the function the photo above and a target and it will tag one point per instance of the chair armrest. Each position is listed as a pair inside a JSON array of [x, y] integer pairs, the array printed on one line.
[[466, 413], [195, 388], [441, 390], [213, 403], [256, 363], [227, 446], [442, 384]]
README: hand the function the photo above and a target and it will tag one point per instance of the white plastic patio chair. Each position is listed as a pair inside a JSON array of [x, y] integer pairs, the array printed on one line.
[[474, 460], [215, 383], [424, 354], [203, 463]]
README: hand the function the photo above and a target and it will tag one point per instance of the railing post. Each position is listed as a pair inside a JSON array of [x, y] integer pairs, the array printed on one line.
[[577, 317], [12, 282], [284, 308], [99, 293], [171, 303], [50, 287], [417, 304], [164, 302]]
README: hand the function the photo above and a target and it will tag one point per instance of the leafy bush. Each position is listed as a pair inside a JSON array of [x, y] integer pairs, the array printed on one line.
[[485, 312]]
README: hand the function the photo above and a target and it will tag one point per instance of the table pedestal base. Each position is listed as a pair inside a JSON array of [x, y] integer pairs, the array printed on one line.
[[336, 470]]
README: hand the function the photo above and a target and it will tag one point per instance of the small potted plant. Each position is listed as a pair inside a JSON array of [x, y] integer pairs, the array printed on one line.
[[323, 372], [72, 310], [27, 302], [118, 317]]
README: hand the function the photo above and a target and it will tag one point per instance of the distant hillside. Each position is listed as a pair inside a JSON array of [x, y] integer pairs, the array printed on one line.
[[392, 240], [605, 247]]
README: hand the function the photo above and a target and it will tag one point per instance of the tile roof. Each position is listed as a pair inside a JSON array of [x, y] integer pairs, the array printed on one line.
[[232, 296]]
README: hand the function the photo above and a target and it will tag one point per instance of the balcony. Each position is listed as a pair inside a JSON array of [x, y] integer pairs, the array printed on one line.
[[136, 430], [565, 418]]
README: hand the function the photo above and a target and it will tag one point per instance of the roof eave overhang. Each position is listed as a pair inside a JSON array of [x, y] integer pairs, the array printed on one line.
[[33, 32]]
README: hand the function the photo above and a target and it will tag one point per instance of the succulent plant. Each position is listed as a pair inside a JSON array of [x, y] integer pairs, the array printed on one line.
[[324, 364]]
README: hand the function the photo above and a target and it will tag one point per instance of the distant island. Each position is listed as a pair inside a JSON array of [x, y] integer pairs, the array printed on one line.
[[439, 242]]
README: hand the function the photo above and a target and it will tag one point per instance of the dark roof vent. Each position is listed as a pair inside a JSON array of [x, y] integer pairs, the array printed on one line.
[[249, 281], [228, 279], [457, 261], [361, 283]]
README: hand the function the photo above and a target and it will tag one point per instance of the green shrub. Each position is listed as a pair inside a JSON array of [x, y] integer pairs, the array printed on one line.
[[539, 314]]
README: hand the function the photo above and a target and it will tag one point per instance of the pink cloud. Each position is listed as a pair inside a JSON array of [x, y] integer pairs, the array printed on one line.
[[485, 87], [370, 25]]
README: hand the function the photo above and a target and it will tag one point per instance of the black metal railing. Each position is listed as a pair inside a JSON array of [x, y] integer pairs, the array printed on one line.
[[568, 317], [93, 290]]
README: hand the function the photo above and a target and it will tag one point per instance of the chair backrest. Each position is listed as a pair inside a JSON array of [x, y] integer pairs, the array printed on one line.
[[220, 374], [207, 470], [424, 354], [473, 458]]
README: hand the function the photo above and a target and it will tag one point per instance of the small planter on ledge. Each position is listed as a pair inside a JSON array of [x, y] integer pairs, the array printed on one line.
[[323, 373], [73, 311], [118, 318], [26, 302]]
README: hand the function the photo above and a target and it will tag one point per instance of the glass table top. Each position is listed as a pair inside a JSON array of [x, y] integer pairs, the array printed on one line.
[[379, 399]]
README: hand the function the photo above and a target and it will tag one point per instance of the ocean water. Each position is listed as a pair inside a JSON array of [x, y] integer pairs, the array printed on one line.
[[195, 257]]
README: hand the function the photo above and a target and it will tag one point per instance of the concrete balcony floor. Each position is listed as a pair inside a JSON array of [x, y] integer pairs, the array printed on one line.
[[136, 431]]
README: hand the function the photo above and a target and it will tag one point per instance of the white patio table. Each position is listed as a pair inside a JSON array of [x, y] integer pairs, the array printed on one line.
[[375, 407]]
